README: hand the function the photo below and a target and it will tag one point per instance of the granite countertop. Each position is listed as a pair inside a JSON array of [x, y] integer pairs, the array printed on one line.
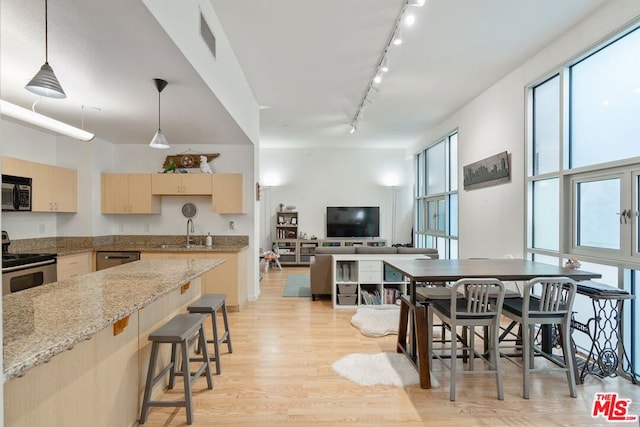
[[70, 250], [41, 322], [63, 246]]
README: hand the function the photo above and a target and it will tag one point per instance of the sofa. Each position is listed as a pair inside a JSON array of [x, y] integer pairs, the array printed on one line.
[[320, 266]]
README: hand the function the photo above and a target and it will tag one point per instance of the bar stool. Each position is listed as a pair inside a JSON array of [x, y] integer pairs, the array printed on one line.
[[210, 304], [179, 330]]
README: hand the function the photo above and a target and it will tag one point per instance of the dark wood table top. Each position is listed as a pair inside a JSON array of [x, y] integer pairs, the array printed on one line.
[[502, 269]]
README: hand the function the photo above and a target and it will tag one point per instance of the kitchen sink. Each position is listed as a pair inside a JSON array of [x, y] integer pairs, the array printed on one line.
[[182, 246]]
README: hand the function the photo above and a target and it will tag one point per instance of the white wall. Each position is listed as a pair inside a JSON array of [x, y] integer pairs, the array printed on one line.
[[492, 220], [312, 179]]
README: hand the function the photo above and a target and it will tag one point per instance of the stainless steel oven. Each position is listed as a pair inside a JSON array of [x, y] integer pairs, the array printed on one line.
[[24, 271], [16, 193]]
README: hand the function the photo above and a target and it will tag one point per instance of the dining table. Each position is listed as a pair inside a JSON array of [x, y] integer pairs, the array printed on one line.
[[414, 328]]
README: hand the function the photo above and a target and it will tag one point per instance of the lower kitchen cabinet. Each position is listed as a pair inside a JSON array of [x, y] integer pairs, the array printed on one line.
[[74, 265], [228, 278]]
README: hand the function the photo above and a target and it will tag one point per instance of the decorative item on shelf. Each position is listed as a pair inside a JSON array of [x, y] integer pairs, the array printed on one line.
[[281, 206], [291, 208], [171, 167], [572, 263], [281, 219], [294, 221], [204, 166], [186, 159]]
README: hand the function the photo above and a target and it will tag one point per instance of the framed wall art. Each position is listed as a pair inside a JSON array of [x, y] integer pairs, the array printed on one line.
[[493, 170]]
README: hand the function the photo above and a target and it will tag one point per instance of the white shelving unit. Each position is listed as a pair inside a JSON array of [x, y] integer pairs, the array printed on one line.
[[359, 279]]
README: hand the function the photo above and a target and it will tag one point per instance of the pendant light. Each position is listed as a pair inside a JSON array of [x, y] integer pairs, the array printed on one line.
[[159, 140], [45, 82]]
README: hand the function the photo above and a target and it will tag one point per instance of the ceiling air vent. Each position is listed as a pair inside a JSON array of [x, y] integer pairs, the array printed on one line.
[[207, 35]]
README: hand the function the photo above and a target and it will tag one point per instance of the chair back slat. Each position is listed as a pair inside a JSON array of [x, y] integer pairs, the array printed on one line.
[[483, 297], [553, 296]]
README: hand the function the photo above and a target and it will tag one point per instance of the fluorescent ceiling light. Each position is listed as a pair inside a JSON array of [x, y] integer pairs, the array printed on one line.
[[28, 116], [378, 78], [418, 3]]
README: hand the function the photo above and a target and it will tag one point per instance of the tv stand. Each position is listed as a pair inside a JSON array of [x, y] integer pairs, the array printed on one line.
[[354, 241]]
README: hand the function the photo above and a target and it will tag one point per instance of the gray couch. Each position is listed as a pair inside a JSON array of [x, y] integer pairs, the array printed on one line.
[[320, 267]]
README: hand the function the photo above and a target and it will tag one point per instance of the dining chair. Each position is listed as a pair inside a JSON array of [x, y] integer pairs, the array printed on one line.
[[545, 301], [471, 303]]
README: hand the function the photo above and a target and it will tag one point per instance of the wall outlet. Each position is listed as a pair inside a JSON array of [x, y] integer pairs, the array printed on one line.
[[42, 228], [232, 225]]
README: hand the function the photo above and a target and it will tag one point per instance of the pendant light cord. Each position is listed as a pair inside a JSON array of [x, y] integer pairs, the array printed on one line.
[[158, 110], [46, 33]]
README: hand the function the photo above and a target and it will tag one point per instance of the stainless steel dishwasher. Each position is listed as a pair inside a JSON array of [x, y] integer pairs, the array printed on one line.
[[108, 259]]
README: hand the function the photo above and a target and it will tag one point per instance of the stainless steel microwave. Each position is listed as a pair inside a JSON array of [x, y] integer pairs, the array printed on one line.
[[16, 193]]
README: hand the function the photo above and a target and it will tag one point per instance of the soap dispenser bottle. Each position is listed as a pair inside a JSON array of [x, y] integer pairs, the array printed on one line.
[[209, 240]]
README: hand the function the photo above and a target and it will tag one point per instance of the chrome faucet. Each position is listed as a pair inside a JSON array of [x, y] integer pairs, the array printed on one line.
[[189, 231]]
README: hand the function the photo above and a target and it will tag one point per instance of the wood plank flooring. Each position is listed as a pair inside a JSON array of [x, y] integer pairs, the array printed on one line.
[[280, 374]]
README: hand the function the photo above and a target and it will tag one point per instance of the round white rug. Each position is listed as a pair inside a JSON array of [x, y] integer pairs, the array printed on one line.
[[379, 369]]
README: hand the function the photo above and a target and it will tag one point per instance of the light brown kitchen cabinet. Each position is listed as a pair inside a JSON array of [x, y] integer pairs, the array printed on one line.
[[181, 184], [74, 265], [228, 193], [228, 278], [54, 189], [128, 193]]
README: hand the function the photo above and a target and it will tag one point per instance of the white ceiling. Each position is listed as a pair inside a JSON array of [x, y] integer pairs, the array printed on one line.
[[308, 63]]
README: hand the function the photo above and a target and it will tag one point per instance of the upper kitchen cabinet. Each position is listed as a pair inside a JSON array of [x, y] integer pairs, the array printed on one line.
[[228, 193], [178, 184], [128, 193], [54, 189]]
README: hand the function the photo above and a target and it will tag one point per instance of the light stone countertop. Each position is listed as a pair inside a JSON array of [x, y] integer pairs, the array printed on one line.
[[41, 322]]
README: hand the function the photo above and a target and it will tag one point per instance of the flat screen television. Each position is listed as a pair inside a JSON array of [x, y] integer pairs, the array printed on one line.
[[353, 221]]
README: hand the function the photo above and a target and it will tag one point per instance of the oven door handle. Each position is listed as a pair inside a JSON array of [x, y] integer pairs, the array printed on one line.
[[27, 266]]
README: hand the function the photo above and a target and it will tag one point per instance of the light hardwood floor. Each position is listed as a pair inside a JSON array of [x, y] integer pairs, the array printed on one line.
[[280, 373]]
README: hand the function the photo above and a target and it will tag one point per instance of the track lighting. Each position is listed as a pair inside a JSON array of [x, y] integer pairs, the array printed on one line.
[[384, 67], [395, 39], [409, 20]]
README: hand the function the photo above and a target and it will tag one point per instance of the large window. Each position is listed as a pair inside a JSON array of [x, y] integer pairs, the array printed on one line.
[[436, 224], [605, 103], [584, 170]]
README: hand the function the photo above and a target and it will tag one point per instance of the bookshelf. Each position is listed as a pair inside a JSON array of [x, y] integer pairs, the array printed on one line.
[[293, 251], [362, 279]]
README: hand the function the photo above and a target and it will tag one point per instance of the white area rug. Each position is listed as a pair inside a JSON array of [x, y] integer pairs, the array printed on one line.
[[377, 321], [379, 369]]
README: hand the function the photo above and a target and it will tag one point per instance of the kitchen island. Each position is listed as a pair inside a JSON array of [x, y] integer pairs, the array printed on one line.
[[92, 331]]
